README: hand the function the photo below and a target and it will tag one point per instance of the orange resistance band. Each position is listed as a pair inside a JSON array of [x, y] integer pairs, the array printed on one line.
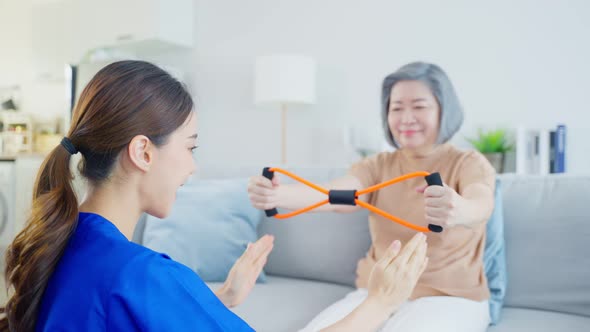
[[351, 197]]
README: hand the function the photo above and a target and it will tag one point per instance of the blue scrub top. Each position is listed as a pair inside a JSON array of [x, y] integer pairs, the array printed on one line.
[[104, 282]]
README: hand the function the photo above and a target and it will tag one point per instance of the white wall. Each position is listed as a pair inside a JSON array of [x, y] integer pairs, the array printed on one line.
[[15, 42], [512, 62], [44, 99]]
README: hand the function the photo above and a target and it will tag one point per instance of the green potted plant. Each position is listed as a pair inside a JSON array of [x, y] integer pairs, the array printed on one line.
[[493, 144]]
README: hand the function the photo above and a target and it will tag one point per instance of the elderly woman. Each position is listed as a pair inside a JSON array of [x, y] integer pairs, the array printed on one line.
[[420, 114]]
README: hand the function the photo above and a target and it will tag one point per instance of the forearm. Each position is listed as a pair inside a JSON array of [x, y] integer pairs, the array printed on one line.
[[369, 316], [477, 204], [223, 294], [298, 196]]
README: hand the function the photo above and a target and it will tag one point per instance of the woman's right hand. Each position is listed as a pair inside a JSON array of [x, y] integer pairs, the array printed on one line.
[[263, 192], [395, 275]]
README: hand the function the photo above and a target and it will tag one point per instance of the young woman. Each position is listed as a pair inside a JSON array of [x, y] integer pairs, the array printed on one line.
[[73, 267], [420, 113]]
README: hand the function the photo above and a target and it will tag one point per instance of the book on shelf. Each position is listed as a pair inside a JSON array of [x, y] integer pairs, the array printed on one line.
[[540, 151], [560, 140]]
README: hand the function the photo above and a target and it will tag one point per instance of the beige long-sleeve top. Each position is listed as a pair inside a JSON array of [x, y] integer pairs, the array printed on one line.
[[455, 265]]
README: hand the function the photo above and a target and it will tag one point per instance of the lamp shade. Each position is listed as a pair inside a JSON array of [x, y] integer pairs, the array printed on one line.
[[284, 79]]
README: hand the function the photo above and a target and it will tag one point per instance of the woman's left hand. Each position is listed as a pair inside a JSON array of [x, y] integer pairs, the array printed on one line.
[[442, 205], [242, 276]]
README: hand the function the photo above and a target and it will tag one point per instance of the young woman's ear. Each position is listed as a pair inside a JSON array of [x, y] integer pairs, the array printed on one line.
[[141, 151]]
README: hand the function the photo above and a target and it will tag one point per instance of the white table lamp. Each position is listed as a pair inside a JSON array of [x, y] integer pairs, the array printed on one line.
[[284, 80]]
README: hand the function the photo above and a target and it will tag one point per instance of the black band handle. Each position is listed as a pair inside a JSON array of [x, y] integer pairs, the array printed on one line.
[[267, 173], [434, 179], [342, 197]]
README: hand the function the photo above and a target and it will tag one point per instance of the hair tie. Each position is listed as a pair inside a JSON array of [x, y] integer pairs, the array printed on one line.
[[69, 146]]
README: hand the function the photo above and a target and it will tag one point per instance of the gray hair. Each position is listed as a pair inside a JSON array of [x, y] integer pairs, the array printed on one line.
[[451, 112]]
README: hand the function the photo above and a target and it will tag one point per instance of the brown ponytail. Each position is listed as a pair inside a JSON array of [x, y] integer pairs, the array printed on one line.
[[36, 250], [123, 100]]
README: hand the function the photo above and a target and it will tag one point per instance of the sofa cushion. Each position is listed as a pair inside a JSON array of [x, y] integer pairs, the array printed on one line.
[[495, 256], [547, 230], [318, 246], [529, 320], [209, 227], [286, 305], [295, 302]]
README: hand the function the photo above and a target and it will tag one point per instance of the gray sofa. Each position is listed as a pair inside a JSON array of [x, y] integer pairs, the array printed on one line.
[[547, 232]]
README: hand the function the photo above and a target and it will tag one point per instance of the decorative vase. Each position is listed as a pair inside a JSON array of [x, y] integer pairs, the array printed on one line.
[[497, 160]]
